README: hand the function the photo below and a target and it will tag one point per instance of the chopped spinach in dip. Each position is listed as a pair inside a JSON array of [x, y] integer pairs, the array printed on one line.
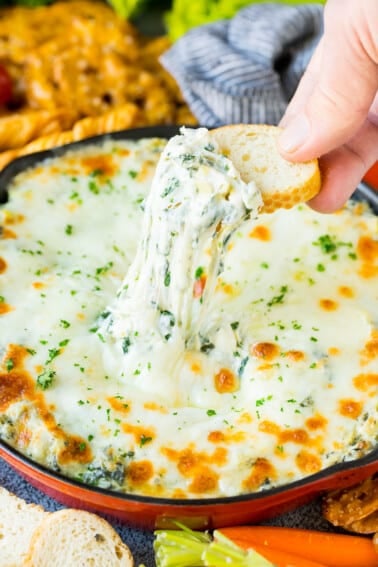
[[159, 336]]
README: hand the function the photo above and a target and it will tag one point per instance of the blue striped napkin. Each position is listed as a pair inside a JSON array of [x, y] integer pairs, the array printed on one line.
[[246, 69]]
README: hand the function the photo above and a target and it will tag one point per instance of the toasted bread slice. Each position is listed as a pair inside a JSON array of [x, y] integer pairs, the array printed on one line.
[[18, 521], [254, 152], [74, 537]]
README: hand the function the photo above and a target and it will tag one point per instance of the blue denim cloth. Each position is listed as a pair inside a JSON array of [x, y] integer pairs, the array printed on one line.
[[245, 70]]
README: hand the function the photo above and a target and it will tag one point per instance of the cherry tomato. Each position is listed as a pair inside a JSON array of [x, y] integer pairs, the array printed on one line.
[[5, 86]]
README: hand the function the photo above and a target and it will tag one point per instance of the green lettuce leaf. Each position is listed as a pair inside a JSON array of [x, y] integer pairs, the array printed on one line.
[[185, 14]]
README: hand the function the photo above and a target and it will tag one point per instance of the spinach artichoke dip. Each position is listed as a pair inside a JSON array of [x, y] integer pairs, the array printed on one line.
[[159, 336]]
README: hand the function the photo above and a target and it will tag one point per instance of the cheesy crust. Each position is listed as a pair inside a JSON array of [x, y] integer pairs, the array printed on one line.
[[283, 384]]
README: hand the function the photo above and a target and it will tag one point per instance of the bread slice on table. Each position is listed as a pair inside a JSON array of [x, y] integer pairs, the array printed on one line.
[[254, 152], [73, 537], [18, 521]]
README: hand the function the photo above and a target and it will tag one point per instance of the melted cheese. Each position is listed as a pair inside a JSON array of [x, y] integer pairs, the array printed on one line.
[[235, 360], [163, 315]]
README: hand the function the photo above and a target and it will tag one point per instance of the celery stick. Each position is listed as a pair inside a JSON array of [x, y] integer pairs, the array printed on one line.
[[175, 548], [186, 548]]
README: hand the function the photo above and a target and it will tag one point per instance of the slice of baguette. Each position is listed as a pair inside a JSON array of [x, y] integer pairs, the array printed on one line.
[[73, 537], [254, 152], [18, 521]]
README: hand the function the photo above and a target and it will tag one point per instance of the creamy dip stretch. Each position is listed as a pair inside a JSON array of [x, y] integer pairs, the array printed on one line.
[[164, 308], [258, 361]]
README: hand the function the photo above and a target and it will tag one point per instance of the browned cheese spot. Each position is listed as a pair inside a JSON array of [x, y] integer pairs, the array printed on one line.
[[140, 432], [367, 251], [346, 291], [120, 405], [102, 165], [3, 265], [139, 472], [261, 471], [266, 351], [225, 381], [75, 450], [261, 232], [328, 304], [350, 408], [5, 308], [315, 422], [307, 462], [370, 350], [204, 481], [367, 382]]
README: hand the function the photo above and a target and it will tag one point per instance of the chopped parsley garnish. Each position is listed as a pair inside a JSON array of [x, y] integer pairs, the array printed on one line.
[[167, 277], [75, 196], [45, 379], [211, 412], [278, 298], [97, 172], [93, 187], [234, 325], [63, 323], [126, 343], [69, 228], [144, 439], [133, 174], [9, 364], [53, 353], [103, 269], [320, 268], [327, 243], [199, 272]]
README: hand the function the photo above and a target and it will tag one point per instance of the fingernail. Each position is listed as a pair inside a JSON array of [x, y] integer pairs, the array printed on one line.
[[295, 134]]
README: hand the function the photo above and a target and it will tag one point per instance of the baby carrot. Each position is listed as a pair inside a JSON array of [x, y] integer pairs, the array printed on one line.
[[277, 557], [330, 549]]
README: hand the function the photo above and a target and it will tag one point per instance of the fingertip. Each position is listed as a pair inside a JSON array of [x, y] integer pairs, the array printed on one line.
[[295, 134], [340, 177]]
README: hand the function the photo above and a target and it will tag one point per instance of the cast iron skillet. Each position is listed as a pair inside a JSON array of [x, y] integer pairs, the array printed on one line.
[[152, 512]]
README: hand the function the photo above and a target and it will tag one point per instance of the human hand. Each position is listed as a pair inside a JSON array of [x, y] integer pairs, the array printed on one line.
[[334, 112]]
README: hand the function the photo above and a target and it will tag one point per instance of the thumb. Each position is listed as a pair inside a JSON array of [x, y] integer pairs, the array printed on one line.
[[335, 95]]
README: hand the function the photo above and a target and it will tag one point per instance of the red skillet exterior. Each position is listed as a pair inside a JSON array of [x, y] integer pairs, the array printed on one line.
[[152, 513], [372, 176]]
